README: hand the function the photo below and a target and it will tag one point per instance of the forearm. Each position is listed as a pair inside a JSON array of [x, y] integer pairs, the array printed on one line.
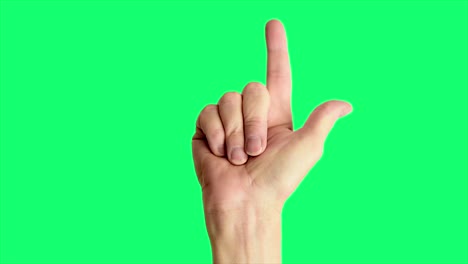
[[245, 235]]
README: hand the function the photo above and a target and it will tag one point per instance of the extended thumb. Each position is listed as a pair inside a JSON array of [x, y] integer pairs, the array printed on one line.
[[322, 119]]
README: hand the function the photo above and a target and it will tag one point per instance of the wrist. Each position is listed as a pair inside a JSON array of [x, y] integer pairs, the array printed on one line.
[[245, 233]]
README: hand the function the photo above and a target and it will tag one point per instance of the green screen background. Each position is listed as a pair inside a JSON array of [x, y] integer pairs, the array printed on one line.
[[99, 101]]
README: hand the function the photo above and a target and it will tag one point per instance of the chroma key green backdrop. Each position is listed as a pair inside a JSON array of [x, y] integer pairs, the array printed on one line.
[[99, 101]]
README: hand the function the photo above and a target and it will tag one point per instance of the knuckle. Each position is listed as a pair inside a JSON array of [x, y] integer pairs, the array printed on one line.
[[236, 137], [254, 87], [278, 73], [254, 122], [209, 108], [216, 135], [230, 97], [235, 129]]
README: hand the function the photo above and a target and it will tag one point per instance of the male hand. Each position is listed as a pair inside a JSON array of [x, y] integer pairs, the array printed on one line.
[[249, 160]]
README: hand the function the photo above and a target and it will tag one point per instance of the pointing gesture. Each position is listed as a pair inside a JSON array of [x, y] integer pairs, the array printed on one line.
[[249, 160], [278, 75]]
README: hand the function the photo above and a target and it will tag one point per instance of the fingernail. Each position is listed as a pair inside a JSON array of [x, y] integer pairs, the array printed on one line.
[[221, 150], [254, 145], [238, 155]]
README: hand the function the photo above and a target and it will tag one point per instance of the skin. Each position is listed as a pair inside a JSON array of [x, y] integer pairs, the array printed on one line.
[[249, 160]]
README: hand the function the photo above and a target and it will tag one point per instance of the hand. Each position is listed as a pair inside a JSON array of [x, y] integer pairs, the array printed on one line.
[[249, 160]]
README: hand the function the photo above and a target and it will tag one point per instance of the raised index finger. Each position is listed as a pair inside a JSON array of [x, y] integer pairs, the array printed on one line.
[[278, 74]]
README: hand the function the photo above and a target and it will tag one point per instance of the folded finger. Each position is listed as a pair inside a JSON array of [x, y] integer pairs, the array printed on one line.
[[230, 111], [210, 124], [255, 105]]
